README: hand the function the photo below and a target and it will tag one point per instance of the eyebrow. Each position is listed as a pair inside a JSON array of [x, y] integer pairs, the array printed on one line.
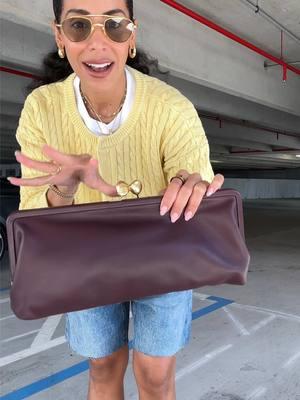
[[85, 12]]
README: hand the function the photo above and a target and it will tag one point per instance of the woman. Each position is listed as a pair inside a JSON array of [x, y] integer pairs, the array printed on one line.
[[100, 122]]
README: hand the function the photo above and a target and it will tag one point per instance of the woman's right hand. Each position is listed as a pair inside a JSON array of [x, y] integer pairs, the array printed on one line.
[[65, 170]]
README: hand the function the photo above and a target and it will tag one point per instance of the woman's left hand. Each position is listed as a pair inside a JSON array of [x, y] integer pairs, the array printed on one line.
[[186, 193]]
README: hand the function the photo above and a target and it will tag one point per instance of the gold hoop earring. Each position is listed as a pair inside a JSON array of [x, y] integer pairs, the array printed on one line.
[[132, 52], [61, 53]]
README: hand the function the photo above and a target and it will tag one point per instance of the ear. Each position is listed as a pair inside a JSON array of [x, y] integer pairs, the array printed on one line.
[[58, 36], [133, 36]]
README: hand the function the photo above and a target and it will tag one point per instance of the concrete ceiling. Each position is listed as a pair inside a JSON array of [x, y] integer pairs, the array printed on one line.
[[251, 119], [237, 16]]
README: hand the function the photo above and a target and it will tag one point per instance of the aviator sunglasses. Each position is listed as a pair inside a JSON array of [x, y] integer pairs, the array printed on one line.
[[117, 29]]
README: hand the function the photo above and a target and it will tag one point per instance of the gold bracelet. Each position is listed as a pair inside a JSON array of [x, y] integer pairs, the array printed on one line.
[[55, 189]]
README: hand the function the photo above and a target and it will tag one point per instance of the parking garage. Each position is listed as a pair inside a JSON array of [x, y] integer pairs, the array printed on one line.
[[239, 64]]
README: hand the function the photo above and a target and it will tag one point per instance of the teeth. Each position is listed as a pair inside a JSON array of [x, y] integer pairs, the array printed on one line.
[[99, 65]]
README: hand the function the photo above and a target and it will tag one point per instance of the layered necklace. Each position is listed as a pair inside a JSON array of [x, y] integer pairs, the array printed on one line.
[[99, 119]]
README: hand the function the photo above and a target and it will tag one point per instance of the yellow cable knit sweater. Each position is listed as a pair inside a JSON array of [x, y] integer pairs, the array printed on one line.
[[161, 135]]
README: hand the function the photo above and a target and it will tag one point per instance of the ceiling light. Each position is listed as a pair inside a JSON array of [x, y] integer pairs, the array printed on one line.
[[298, 155]]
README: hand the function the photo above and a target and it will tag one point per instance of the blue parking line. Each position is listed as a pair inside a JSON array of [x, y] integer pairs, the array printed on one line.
[[46, 383], [4, 290], [83, 366], [219, 302]]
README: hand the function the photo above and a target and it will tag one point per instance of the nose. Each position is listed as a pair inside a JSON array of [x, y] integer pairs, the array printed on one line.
[[98, 35]]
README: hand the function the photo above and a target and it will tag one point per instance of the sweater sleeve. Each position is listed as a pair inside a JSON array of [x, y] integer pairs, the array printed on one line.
[[185, 146], [31, 139]]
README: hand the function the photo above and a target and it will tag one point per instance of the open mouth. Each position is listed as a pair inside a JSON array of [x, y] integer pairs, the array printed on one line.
[[99, 67]]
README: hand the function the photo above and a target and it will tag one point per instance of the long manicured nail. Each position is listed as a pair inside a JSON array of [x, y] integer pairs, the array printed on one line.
[[174, 217], [163, 210], [209, 192], [188, 216], [17, 152], [9, 178]]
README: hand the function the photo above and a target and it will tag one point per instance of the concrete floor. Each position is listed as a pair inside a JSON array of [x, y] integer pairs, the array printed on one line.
[[245, 350]]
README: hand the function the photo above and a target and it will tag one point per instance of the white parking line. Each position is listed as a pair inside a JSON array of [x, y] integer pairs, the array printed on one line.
[[5, 300], [262, 323], [46, 331], [205, 359], [258, 392], [291, 360], [19, 336], [30, 352], [240, 327], [7, 317], [290, 317], [200, 296]]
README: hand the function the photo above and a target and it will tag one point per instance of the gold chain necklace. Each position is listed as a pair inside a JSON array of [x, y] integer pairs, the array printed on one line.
[[89, 105]]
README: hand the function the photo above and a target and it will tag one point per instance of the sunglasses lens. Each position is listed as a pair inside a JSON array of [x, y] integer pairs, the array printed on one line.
[[77, 29], [118, 30]]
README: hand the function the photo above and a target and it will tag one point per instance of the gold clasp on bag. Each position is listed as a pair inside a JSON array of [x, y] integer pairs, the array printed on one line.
[[123, 188]]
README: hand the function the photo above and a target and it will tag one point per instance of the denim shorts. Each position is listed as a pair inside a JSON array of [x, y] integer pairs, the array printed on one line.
[[161, 326]]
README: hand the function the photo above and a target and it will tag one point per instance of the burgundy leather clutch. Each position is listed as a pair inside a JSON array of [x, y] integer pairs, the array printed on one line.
[[71, 258]]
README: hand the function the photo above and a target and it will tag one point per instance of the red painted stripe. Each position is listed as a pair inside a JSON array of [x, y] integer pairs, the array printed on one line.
[[19, 73]]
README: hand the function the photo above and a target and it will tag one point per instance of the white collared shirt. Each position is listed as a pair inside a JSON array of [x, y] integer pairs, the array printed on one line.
[[100, 128]]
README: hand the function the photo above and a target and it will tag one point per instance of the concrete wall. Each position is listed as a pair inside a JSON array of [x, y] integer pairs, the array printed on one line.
[[265, 188]]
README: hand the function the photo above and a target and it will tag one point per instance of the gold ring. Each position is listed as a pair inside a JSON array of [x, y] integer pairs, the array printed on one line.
[[181, 177]]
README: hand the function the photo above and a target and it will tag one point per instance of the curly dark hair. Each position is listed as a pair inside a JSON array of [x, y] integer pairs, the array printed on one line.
[[55, 69]]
